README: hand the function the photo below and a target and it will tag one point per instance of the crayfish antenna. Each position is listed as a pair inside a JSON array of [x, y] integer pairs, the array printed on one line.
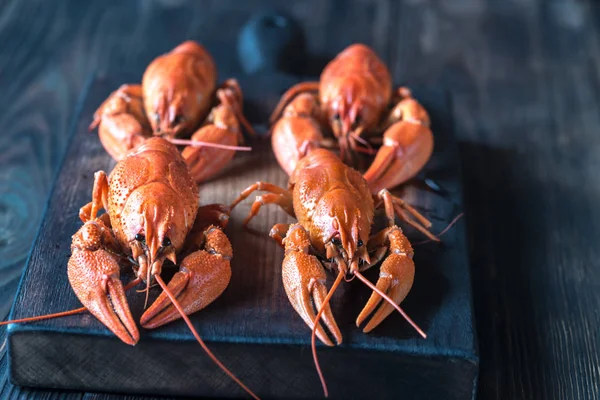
[[197, 336], [147, 290], [199, 143], [62, 313], [446, 229], [314, 330], [389, 300], [47, 316]]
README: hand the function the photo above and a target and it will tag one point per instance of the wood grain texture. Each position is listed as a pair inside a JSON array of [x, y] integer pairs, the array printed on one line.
[[524, 75]]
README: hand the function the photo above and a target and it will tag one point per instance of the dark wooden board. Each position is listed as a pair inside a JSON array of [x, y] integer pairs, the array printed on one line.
[[252, 326], [524, 82]]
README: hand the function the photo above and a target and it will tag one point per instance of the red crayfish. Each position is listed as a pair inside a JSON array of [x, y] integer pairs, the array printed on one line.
[[177, 92], [152, 215], [333, 202]]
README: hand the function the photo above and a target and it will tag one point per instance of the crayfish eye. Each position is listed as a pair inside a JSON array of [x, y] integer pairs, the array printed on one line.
[[139, 237], [156, 118], [336, 241], [360, 243], [357, 119], [166, 242], [336, 117]]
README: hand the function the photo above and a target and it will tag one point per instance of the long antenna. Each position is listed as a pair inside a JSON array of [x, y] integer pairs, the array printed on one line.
[[197, 336], [414, 223], [199, 143], [47, 316], [147, 290], [314, 330], [389, 300], [446, 229], [62, 313]]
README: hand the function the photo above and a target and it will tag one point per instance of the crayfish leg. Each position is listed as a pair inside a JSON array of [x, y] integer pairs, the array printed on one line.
[[396, 206], [278, 233], [275, 195]]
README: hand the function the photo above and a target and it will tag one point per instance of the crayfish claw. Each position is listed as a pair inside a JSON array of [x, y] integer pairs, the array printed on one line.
[[302, 299], [395, 280], [304, 282], [202, 277], [155, 315], [94, 277], [407, 146]]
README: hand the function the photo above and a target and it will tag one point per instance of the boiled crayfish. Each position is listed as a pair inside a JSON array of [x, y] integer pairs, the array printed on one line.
[[335, 210], [178, 91], [152, 205], [333, 202], [152, 215]]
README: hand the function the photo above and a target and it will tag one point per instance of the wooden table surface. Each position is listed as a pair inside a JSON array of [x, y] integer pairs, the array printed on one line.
[[524, 79]]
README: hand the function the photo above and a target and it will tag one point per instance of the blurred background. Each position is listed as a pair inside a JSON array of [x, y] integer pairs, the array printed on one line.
[[523, 76]]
